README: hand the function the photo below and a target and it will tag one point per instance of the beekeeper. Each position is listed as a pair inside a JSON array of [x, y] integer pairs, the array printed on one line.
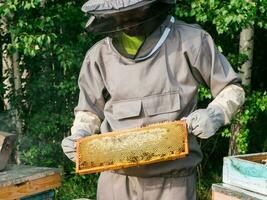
[[148, 70]]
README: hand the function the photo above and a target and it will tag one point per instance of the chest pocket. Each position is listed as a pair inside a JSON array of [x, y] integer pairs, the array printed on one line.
[[152, 105]]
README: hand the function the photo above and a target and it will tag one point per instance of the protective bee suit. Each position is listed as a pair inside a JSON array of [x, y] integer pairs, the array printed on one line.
[[121, 89]]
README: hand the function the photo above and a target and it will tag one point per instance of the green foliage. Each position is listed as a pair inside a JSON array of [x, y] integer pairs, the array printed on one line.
[[78, 187], [256, 102], [204, 94], [225, 19], [227, 16], [204, 189], [51, 42]]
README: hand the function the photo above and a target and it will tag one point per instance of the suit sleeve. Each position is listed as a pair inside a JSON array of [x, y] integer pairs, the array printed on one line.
[[213, 67], [89, 111], [219, 76], [91, 87]]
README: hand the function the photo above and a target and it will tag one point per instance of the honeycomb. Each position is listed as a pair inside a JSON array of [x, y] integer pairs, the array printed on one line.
[[134, 147]]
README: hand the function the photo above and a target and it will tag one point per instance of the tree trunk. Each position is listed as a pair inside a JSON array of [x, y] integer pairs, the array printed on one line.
[[17, 87], [13, 83], [43, 3], [1, 65], [6, 64], [1, 78], [233, 147], [6, 73], [246, 46]]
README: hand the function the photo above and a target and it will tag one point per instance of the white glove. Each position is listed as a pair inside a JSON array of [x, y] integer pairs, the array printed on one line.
[[69, 144], [85, 124], [204, 123]]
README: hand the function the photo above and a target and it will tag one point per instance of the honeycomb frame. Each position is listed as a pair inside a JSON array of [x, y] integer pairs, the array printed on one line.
[[82, 166]]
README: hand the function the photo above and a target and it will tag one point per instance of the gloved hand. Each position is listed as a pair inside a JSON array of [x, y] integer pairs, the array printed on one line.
[[204, 123], [69, 144]]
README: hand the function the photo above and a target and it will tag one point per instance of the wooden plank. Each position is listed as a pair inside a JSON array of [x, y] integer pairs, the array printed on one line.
[[7, 141], [255, 158], [17, 174], [221, 196], [227, 192], [30, 187], [246, 174]]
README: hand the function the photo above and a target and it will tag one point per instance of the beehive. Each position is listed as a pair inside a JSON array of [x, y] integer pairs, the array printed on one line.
[[134, 147], [247, 171]]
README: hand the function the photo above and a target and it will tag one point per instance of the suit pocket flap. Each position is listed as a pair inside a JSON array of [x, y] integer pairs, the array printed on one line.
[[160, 104], [127, 109]]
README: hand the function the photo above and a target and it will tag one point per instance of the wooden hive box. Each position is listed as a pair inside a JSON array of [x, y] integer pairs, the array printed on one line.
[[224, 191], [28, 182], [134, 147], [246, 171]]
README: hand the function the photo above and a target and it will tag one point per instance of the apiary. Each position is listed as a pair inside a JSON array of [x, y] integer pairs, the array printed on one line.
[[134, 147]]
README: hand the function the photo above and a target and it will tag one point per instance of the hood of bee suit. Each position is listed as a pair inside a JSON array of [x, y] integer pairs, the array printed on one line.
[[112, 6], [107, 15]]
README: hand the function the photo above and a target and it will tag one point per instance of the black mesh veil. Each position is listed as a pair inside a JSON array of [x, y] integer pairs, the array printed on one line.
[[132, 18]]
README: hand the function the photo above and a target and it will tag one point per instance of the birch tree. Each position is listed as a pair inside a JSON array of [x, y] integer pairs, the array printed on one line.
[[246, 46]]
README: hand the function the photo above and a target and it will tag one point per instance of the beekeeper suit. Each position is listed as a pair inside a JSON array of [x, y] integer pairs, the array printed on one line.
[[140, 75]]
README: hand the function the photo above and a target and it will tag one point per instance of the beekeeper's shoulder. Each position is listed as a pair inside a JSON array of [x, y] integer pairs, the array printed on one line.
[[192, 33], [97, 49]]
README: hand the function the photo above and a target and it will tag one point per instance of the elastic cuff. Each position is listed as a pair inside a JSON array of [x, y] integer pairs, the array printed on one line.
[[82, 133], [230, 99]]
